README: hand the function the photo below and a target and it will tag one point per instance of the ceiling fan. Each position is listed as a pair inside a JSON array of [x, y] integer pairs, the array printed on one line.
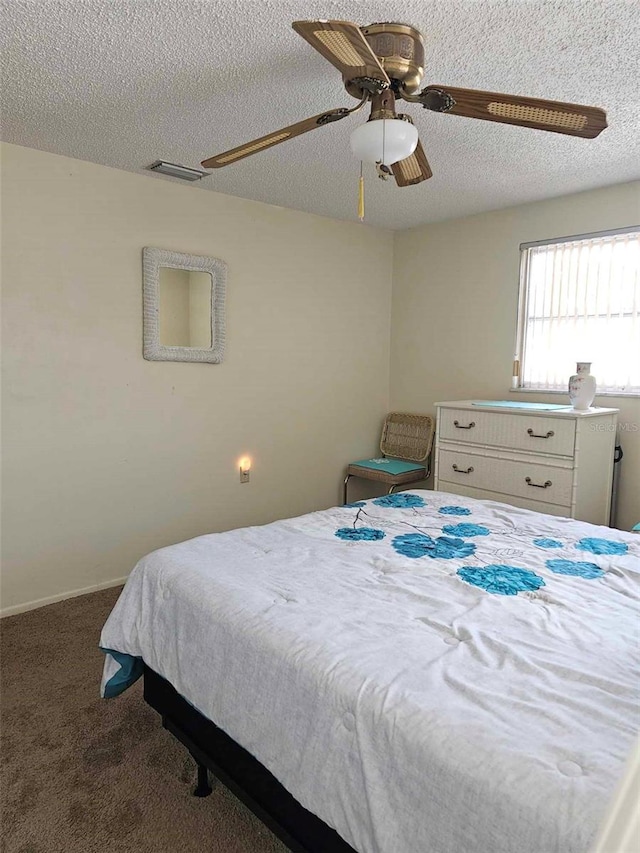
[[382, 63]]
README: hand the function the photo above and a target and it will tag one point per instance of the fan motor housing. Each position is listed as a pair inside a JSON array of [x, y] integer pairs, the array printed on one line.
[[400, 49]]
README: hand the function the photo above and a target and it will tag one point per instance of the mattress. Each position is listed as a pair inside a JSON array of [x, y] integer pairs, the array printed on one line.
[[422, 671]]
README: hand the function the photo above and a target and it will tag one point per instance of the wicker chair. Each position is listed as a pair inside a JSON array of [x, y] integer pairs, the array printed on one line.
[[405, 446]]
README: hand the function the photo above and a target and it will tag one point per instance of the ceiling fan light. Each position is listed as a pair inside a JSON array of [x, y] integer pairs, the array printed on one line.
[[384, 140]]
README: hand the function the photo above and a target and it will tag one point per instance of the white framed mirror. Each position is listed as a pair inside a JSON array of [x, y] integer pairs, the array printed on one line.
[[183, 306]]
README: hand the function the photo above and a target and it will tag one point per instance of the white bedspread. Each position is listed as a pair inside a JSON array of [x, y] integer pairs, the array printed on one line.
[[412, 708]]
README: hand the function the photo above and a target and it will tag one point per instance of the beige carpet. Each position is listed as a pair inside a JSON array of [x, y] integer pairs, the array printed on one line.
[[84, 775]]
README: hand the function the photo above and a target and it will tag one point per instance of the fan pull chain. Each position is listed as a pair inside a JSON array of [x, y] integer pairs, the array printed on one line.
[[361, 195]]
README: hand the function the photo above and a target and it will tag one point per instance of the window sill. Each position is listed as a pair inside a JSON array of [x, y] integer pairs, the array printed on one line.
[[566, 393]]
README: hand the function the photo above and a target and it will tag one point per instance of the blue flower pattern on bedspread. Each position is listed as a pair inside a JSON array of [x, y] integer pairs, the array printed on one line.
[[401, 501], [416, 545], [547, 543], [579, 569], [466, 530], [500, 579], [602, 546], [496, 578], [360, 534], [454, 510]]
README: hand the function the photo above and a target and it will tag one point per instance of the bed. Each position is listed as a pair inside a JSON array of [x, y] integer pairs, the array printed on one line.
[[417, 672]]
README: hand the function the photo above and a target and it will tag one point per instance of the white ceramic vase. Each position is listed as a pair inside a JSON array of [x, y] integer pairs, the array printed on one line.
[[582, 387]]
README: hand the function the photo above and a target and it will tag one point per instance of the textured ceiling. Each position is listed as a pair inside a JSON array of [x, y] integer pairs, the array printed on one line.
[[125, 82]]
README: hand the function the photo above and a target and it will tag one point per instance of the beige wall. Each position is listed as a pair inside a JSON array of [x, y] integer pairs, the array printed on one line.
[[455, 291], [108, 456]]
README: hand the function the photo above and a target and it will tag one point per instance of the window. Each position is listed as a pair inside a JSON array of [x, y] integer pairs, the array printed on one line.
[[579, 301]]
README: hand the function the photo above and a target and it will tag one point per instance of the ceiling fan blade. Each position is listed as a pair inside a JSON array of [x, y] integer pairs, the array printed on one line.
[[413, 169], [343, 44], [556, 116], [275, 138]]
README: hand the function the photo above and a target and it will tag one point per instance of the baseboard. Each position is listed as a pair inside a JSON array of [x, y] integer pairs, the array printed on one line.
[[52, 599]]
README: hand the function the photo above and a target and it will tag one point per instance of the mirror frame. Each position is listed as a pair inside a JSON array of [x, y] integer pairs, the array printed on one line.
[[153, 350]]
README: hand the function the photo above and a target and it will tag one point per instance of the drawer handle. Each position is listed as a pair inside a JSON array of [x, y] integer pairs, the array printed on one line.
[[461, 470], [462, 426], [536, 435], [544, 485]]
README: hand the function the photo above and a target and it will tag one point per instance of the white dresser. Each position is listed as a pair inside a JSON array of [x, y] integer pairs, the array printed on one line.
[[559, 462]]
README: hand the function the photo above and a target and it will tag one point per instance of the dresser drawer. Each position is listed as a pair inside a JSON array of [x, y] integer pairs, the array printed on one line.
[[520, 432], [536, 506], [542, 482]]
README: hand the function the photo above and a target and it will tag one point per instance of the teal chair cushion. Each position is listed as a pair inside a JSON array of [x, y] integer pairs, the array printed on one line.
[[389, 466]]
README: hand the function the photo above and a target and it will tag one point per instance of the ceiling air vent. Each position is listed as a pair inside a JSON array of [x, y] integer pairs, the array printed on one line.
[[174, 170]]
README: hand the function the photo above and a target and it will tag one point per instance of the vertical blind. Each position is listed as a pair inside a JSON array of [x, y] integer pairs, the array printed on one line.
[[580, 300]]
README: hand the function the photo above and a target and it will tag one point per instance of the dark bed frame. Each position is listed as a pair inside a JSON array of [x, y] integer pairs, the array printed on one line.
[[240, 772]]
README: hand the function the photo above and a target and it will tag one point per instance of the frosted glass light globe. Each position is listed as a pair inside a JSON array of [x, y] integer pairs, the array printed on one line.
[[400, 139]]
